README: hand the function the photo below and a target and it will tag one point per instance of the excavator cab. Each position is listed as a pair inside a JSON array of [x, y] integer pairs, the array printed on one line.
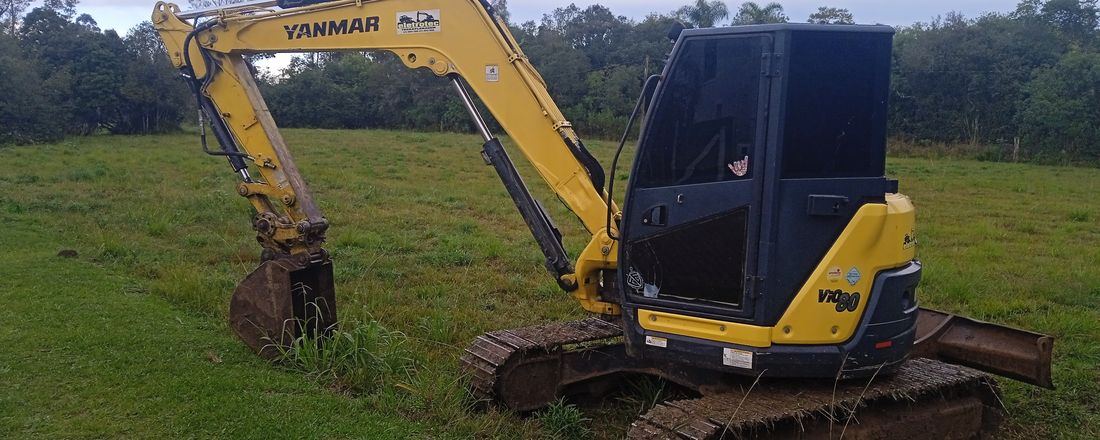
[[760, 171]]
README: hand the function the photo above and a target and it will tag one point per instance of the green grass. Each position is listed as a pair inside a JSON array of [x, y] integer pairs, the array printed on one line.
[[356, 358], [129, 339], [565, 421]]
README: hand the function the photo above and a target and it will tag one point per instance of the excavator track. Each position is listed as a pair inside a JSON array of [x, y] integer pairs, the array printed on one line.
[[925, 399], [526, 369], [516, 367]]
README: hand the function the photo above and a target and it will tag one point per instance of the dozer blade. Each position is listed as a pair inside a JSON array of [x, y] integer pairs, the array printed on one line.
[[282, 300], [1004, 351]]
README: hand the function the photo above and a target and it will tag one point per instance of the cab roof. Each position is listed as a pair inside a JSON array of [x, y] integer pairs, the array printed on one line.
[[790, 27]]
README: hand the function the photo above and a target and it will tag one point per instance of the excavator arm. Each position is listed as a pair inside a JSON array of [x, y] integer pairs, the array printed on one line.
[[461, 40]]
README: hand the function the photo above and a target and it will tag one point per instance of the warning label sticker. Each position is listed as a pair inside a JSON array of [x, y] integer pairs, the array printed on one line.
[[737, 358], [656, 342]]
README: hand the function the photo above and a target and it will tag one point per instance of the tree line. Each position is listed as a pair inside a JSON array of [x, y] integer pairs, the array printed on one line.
[[61, 75], [1024, 83]]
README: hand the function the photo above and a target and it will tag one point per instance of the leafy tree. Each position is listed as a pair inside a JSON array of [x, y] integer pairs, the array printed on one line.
[[53, 42], [10, 11], [64, 8], [1075, 19], [612, 94], [704, 13], [306, 99], [50, 37], [501, 7], [87, 22], [153, 98], [595, 62], [27, 114], [753, 13], [595, 31], [97, 82], [562, 65], [831, 15], [318, 93], [1059, 114], [959, 80], [1028, 9]]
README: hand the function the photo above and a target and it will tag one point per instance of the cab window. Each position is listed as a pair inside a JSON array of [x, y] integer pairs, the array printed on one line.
[[704, 126]]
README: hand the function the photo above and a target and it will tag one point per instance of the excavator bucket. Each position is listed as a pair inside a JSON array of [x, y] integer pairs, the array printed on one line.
[[281, 301]]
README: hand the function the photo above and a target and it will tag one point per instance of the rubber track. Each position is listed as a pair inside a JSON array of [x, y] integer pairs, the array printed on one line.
[[491, 351], [732, 414]]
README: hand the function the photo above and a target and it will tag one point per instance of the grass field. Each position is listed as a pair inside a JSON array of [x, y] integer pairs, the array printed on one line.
[[128, 339]]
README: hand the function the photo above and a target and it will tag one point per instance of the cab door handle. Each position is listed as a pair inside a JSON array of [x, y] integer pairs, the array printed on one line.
[[827, 206], [656, 217]]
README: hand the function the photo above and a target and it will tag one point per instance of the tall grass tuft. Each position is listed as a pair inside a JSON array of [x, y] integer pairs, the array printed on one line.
[[565, 421], [357, 358], [642, 393]]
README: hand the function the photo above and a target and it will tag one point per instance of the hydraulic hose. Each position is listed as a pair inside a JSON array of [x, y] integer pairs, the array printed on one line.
[[221, 132]]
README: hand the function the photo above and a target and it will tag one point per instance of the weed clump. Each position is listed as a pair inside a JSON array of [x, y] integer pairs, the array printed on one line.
[[1079, 216], [565, 421], [357, 358]]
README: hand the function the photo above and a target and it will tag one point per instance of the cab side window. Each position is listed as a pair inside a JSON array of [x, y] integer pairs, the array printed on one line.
[[705, 125]]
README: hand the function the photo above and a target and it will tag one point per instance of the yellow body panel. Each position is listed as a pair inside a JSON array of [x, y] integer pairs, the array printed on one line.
[[874, 241], [878, 238], [709, 329]]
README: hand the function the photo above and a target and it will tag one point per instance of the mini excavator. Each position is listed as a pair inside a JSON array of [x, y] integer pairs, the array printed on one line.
[[762, 260]]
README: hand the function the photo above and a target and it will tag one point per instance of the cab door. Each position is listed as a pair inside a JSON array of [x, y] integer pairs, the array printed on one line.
[[692, 213]]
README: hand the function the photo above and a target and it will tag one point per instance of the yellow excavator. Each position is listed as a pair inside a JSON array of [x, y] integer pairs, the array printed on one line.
[[762, 260]]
